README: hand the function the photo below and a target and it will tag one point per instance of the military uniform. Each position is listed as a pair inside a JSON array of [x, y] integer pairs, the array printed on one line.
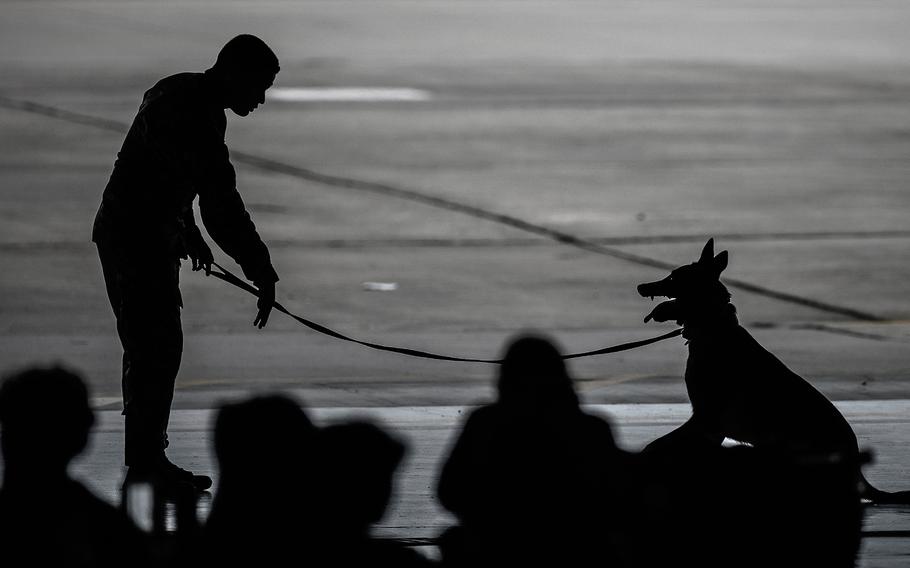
[[174, 151]]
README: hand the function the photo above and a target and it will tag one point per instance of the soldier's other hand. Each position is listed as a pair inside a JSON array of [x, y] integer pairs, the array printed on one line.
[[200, 253], [266, 300]]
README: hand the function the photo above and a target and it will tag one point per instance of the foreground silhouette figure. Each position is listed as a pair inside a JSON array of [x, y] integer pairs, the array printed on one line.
[[357, 463], [263, 513], [47, 518], [532, 479], [738, 389], [746, 507], [173, 152]]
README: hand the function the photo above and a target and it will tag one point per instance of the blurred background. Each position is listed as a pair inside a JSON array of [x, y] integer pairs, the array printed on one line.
[[415, 161], [782, 129]]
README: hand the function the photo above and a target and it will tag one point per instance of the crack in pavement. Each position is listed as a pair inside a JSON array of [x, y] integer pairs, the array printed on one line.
[[458, 242], [277, 167]]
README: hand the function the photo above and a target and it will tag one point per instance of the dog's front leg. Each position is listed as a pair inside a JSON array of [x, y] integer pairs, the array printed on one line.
[[690, 438]]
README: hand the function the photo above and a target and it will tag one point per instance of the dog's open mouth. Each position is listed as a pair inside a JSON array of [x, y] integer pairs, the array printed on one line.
[[664, 311]]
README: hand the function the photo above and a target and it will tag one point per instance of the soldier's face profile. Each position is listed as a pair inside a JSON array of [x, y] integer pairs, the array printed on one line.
[[250, 93]]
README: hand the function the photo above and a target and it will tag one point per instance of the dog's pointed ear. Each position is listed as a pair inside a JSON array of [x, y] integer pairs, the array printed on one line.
[[707, 253], [720, 262]]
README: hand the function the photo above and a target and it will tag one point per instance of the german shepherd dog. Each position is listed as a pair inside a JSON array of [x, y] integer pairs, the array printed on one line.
[[737, 388]]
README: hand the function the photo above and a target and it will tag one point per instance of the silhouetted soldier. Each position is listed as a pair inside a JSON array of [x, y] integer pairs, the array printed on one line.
[[173, 152], [47, 518]]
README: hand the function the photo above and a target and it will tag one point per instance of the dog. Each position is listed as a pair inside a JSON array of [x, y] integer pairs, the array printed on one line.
[[737, 388]]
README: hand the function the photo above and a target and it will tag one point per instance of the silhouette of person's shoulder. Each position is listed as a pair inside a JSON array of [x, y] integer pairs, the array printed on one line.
[[482, 428], [182, 85], [67, 525], [177, 102], [494, 415], [597, 427], [484, 415], [385, 553]]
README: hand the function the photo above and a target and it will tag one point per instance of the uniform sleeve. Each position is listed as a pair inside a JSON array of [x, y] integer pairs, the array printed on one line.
[[188, 220], [222, 209]]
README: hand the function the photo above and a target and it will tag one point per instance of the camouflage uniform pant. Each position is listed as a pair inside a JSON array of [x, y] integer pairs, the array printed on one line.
[[145, 297]]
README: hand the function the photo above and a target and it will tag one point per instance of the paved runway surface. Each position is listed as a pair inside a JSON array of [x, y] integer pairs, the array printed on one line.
[[559, 153], [429, 431]]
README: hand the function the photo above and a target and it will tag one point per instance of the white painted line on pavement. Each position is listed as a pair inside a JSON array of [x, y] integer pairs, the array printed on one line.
[[348, 94], [856, 411], [98, 402]]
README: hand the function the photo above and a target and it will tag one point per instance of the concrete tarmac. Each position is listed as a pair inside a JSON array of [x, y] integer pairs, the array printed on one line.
[[564, 150], [429, 432]]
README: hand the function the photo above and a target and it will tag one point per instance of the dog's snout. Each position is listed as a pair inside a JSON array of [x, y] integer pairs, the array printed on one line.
[[660, 288], [649, 289]]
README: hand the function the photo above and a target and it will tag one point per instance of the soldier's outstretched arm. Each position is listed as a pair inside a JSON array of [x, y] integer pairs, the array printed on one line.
[[265, 303], [227, 220], [196, 248]]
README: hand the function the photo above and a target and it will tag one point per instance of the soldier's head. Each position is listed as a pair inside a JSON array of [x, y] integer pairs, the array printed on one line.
[[246, 68]]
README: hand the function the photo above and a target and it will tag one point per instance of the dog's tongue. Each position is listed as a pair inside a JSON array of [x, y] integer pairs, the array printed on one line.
[[665, 311]]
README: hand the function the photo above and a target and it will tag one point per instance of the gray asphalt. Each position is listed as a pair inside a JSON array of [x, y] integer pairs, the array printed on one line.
[[566, 152]]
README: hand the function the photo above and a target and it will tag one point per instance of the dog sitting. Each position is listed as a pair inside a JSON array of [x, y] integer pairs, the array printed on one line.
[[737, 388]]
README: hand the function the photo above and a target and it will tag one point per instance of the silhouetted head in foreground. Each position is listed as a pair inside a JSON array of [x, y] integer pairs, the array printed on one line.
[[47, 518], [46, 419], [263, 507], [261, 439], [531, 477], [359, 460], [245, 68], [357, 463], [533, 376]]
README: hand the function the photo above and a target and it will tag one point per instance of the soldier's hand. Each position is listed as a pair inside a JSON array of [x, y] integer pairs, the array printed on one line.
[[266, 300], [200, 253]]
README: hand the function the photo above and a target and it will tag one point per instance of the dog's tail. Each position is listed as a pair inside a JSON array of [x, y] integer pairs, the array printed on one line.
[[878, 497]]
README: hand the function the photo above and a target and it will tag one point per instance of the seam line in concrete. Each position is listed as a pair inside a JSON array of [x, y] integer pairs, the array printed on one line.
[[307, 174], [510, 242]]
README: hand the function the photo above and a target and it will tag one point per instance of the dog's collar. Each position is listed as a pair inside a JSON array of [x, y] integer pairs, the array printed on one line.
[[716, 326]]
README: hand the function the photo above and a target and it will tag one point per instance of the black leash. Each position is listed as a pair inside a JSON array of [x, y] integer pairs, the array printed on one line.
[[234, 280]]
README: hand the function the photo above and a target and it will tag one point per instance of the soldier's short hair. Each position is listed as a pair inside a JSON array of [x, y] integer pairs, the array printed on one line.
[[247, 54]]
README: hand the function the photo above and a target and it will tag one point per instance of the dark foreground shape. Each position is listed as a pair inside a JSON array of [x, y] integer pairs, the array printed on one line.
[[738, 389], [357, 464], [262, 513], [293, 495], [47, 518], [532, 479], [746, 507]]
